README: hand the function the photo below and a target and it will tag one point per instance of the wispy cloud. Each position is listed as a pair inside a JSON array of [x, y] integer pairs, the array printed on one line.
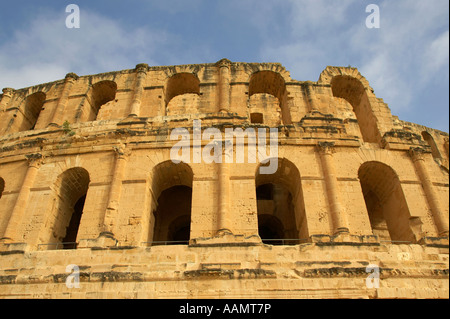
[[47, 50], [400, 59], [436, 55], [409, 50], [406, 61]]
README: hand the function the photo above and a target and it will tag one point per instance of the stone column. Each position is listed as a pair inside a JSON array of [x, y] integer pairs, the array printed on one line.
[[338, 217], [122, 154], [224, 85], [6, 97], [224, 221], [17, 215], [417, 155], [141, 73], [58, 112], [309, 95]]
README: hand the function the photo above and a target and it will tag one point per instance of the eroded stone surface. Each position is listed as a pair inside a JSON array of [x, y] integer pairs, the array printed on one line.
[[85, 163]]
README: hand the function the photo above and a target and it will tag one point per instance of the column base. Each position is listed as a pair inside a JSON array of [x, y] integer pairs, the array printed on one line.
[[223, 232], [103, 241], [345, 237], [341, 230], [444, 234], [6, 245], [440, 242]]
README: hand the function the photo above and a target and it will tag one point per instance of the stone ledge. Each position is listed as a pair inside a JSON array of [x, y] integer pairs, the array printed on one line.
[[230, 273], [345, 239], [8, 248], [437, 242], [226, 240]]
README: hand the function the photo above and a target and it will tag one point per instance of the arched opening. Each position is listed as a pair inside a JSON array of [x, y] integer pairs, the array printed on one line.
[[352, 90], [101, 93], [71, 188], [33, 107], [280, 205], [182, 93], [173, 216], [2, 186], [74, 224], [386, 204], [430, 141], [172, 186], [267, 94], [271, 229]]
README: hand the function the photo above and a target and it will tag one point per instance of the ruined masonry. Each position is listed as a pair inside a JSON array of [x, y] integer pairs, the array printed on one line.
[[357, 208]]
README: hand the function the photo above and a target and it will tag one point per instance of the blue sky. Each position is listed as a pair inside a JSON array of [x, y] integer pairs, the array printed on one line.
[[406, 60]]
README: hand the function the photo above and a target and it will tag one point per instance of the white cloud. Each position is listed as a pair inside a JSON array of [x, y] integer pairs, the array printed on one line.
[[436, 55], [317, 36], [401, 60], [47, 50], [407, 52], [320, 16], [398, 60]]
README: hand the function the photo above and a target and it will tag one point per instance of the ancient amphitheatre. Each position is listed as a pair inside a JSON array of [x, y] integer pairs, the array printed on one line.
[[86, 179]]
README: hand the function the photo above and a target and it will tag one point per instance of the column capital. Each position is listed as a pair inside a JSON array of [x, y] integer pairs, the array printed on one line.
[[122, 151], [141, 68], [6, 97], [326, 147], [223, 63], [35, 160], [417, 153], [8, 91], [71, 77]]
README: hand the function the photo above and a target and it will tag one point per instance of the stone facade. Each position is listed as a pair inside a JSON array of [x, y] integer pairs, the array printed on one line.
[[87, 179]]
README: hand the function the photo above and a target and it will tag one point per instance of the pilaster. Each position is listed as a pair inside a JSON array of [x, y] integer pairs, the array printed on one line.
[[58, 112], [224, 85], [418, 157], [338, 216], [141, 72], [17, 215], [6, 98]]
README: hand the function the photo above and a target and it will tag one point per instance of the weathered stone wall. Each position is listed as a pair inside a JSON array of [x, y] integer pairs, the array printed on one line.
[[304, 271], [87, 159]]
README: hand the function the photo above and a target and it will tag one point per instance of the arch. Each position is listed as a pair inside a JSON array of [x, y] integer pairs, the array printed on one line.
[[167, 174], [33, 107], [353, 91], [71, 188], [181, 83], [172, 189], [101, 93], [270, 82], [385, 202], [280, 204], [431, 142], [267, 82]]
